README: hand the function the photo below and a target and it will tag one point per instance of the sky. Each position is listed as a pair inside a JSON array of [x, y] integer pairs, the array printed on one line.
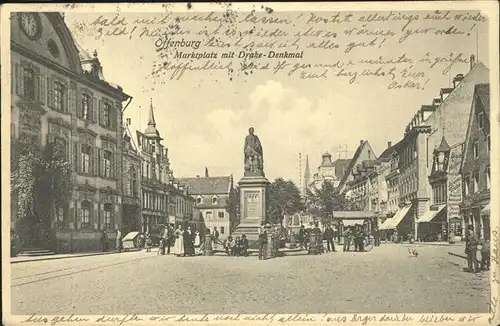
[[204, 118]]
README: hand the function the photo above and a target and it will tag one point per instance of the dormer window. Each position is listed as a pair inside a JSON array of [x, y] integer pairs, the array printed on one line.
[[214, 200], [476, 149], [480, 120], [199, 200]]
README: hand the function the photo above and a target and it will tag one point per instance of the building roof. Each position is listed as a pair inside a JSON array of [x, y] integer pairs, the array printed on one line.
[[341, 165], [387, 154], [443, 147], [483, 93], [207, 185], [352, 163], [326, 160]]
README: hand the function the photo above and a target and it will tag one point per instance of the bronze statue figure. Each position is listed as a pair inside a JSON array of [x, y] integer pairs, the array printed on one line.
[[254, 161]]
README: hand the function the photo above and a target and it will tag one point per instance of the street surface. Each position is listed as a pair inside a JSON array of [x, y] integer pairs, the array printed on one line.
[[385, 280]]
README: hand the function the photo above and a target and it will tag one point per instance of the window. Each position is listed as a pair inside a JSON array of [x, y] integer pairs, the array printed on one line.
[[221, 230], [86, 106], [476, 182], [59, 96], [29, 83], [488, 180], [133, 181], [106, 111], [466, 185], [85, 218], [214, 200], [208, 215], [85, 158], [480, 120], [221, 215], [107, 164], [199, 200], [60, 214], [488, 143], [476, 149], [108, 209]]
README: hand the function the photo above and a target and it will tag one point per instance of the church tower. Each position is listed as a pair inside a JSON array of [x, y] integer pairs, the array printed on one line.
[[307, 177]]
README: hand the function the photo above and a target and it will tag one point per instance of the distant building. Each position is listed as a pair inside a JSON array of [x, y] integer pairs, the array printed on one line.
[[132, 189], [364, 152], [213, 206], [475, 166], [327, 171], [155, 172]]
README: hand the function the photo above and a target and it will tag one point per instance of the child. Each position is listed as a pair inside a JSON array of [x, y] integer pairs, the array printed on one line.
[[149, 242], [161, 247], [485, 255]]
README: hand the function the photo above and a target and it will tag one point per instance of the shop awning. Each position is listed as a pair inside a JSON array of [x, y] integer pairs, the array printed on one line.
[[352, 222], [398, 217], [130, 236], [486, 210], [430, 214], [385, 225]]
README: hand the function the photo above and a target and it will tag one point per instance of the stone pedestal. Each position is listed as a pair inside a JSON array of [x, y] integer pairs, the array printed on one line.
[[253, 206]]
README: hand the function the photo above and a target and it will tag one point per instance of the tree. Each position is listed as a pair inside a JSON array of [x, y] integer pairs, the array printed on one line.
[[40, 182], [322, 202], [283, 199]]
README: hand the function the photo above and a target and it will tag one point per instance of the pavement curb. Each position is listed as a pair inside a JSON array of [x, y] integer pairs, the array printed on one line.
[[69, 256]]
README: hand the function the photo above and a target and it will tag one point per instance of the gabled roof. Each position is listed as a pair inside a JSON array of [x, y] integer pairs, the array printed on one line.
[[352, 164], [387, 154], [481, 93], [207, 185]]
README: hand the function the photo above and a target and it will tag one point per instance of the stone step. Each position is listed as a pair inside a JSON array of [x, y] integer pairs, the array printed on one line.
[[38, 252]]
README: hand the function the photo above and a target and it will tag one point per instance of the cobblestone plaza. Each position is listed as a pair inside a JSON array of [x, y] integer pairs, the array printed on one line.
[[387, 279]]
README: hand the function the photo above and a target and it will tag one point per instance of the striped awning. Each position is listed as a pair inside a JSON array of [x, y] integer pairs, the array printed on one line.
[[486, 210], [430, 214], [393, 222]]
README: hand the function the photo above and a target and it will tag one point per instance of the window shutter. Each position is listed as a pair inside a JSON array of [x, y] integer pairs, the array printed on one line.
[[113, 168], [101, 112], [19, 79], [79, 216], [112, 116], [41, 88], [78, 157], [79, 103], [96, 161], [71, 100], [50, 92], [101, 162], [94, 109]]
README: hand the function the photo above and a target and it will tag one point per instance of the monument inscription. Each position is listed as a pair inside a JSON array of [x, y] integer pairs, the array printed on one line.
[[252, 204]]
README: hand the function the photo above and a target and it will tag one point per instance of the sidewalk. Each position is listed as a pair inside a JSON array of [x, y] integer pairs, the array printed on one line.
[[420, 244], [21, 259]]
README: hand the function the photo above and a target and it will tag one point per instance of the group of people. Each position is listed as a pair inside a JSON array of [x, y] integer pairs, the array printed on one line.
[[328, 235], [472, 242], [181, 242], [354, 235], [236, 247]]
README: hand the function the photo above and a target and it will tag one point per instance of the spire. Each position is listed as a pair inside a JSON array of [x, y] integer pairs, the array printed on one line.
[[443, 147], [307, 172], [151, 129]]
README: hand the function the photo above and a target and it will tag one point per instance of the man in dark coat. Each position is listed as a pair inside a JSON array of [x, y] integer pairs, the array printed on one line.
[[471, 243], [244, 245], [330, 245], [302, 236], [263, 244]]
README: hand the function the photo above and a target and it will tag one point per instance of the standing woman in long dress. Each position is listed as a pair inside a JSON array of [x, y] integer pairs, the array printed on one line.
[[179, 242]]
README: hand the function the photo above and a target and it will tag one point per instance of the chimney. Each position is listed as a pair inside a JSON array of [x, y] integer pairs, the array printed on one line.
[[206, 172], [389, 144], [457, 79], [361, 142], [129, 121], [472, 61]]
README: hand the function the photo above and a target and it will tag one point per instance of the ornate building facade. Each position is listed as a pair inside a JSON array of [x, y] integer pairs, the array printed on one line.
[[59, 94]]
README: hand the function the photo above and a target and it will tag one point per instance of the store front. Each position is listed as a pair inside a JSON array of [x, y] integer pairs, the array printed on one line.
[[433, 225]]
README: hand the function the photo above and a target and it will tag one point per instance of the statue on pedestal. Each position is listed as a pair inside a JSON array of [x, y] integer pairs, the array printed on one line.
[[254, 161]]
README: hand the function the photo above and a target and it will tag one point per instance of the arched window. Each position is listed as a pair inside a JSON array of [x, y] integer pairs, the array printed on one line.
[[85, 213], [108, 213]]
